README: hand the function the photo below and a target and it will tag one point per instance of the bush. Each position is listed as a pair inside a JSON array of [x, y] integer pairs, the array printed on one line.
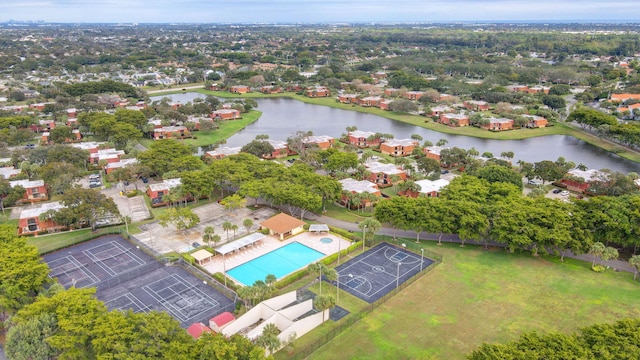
[[220, 278], [292, 278], [344, 233], [598, 268]]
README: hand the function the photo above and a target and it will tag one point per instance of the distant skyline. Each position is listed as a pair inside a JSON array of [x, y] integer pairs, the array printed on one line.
[[308, 11]]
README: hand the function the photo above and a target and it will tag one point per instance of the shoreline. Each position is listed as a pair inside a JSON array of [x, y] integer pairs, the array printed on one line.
[[421, 121]]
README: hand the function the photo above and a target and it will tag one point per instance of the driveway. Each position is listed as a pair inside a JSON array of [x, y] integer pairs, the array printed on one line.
[[134, 207]]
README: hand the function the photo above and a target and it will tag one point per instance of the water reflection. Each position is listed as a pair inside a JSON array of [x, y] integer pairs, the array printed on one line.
[[282, 117]]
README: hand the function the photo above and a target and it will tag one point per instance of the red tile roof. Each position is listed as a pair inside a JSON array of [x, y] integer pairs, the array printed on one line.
[[197, 329], [282, 223], [223, 319]]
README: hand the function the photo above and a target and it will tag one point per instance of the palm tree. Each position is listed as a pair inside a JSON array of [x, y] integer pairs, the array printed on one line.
[[234, 227], [635, 262], [369, 228], [324, 302], [350, 129], [247, 223], [319, 268], [270, 279], [331, 275], [417, 137], [227, 226], [207, 235], [269, 338]]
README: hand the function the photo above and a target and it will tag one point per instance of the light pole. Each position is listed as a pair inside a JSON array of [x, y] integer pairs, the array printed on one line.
[[338, 290], [339, 243], [398, 276], [364, 233], [421, 258], [224, 270]]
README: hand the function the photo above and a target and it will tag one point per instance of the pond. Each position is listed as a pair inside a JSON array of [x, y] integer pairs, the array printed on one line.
[[282, 117]]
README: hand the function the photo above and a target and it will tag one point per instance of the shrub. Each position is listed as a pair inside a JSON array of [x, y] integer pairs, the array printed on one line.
[[598, 268], [220, 278], [292, 278]]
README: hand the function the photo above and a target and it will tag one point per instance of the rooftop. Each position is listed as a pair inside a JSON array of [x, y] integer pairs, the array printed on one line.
[[358, 186]]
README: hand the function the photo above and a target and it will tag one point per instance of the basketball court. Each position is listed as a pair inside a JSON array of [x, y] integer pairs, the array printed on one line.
[[378, 271]]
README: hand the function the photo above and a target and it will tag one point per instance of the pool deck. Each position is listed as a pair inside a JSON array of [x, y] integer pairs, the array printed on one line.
[[271, 243]]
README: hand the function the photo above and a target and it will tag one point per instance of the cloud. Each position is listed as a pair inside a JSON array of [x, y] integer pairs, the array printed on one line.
[[313, 10]]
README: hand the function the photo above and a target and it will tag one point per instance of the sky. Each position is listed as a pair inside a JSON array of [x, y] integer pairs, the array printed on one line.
[[310, 11]]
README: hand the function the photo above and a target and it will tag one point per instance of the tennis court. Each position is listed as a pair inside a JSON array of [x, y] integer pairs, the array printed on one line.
[[378, 271], [128, 278]]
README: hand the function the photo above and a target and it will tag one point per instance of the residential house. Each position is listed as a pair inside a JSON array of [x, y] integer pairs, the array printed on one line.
[[112, 166], [363, 139], [498, 124], [371, 101], [354, 186], [428, 188], [30, 94], [385, 103], [270, 89], [474, 105], [535, 121], [518, 88], [398, 147], [175, 105], [30, 222], [348, 98], [391, 91], [580, 180], [108, 155], [239, 89], [222, 152], [35, 190], [413, 95], [433, 152], [158, 190], [281, 149], [171, 132], [72, 123], [43, 125], [454, 120], [8, 172], [323, 142], [283, 225], [624, 97], [226, 114], [72, 113], [539, 90], [215, 87], [383, 174], [317, 91], [39, 106], [437, 110]]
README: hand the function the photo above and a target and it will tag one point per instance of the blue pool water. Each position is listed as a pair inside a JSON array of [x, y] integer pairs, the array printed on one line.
[[279, 262]]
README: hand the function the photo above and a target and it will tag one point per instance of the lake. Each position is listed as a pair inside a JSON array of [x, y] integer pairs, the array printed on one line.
[[282, 117]]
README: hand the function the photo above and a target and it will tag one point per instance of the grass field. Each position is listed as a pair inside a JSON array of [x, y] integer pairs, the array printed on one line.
[[226, 129], [49, 243], [478, 296]]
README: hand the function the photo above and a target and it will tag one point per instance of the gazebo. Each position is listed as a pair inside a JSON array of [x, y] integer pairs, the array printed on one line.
[[318, 228], [202, 256], [283, 225]]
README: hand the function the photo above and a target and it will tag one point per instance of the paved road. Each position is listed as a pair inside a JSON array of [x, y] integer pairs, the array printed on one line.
[[152, 92]]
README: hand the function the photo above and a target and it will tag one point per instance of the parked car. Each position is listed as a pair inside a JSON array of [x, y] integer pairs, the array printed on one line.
[[94, 184], [564, 193], [196, 245], [535, 182], [144, 179], [557, 191], [444, 172], [94, 177]]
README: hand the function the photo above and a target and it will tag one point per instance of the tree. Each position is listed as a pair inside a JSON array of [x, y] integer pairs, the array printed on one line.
[[495, 173], [269, 338], [182, 218], [554, 101], [247, 223], [85, 206], [165, 155], [369, 228], [60, 134], [258, 148], [233, 202], [597, 249], [227, 226], [207, 235], [23, 272], [324, 302], [548, 170], [634, 261], [442, 142]]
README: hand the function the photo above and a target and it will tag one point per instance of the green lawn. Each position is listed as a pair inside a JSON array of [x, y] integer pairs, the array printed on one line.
[[478, 296], [49, 243], [344, 214], [227, 128]]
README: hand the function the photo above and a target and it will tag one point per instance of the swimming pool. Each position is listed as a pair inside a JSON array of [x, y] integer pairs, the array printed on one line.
[[279, 262]]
